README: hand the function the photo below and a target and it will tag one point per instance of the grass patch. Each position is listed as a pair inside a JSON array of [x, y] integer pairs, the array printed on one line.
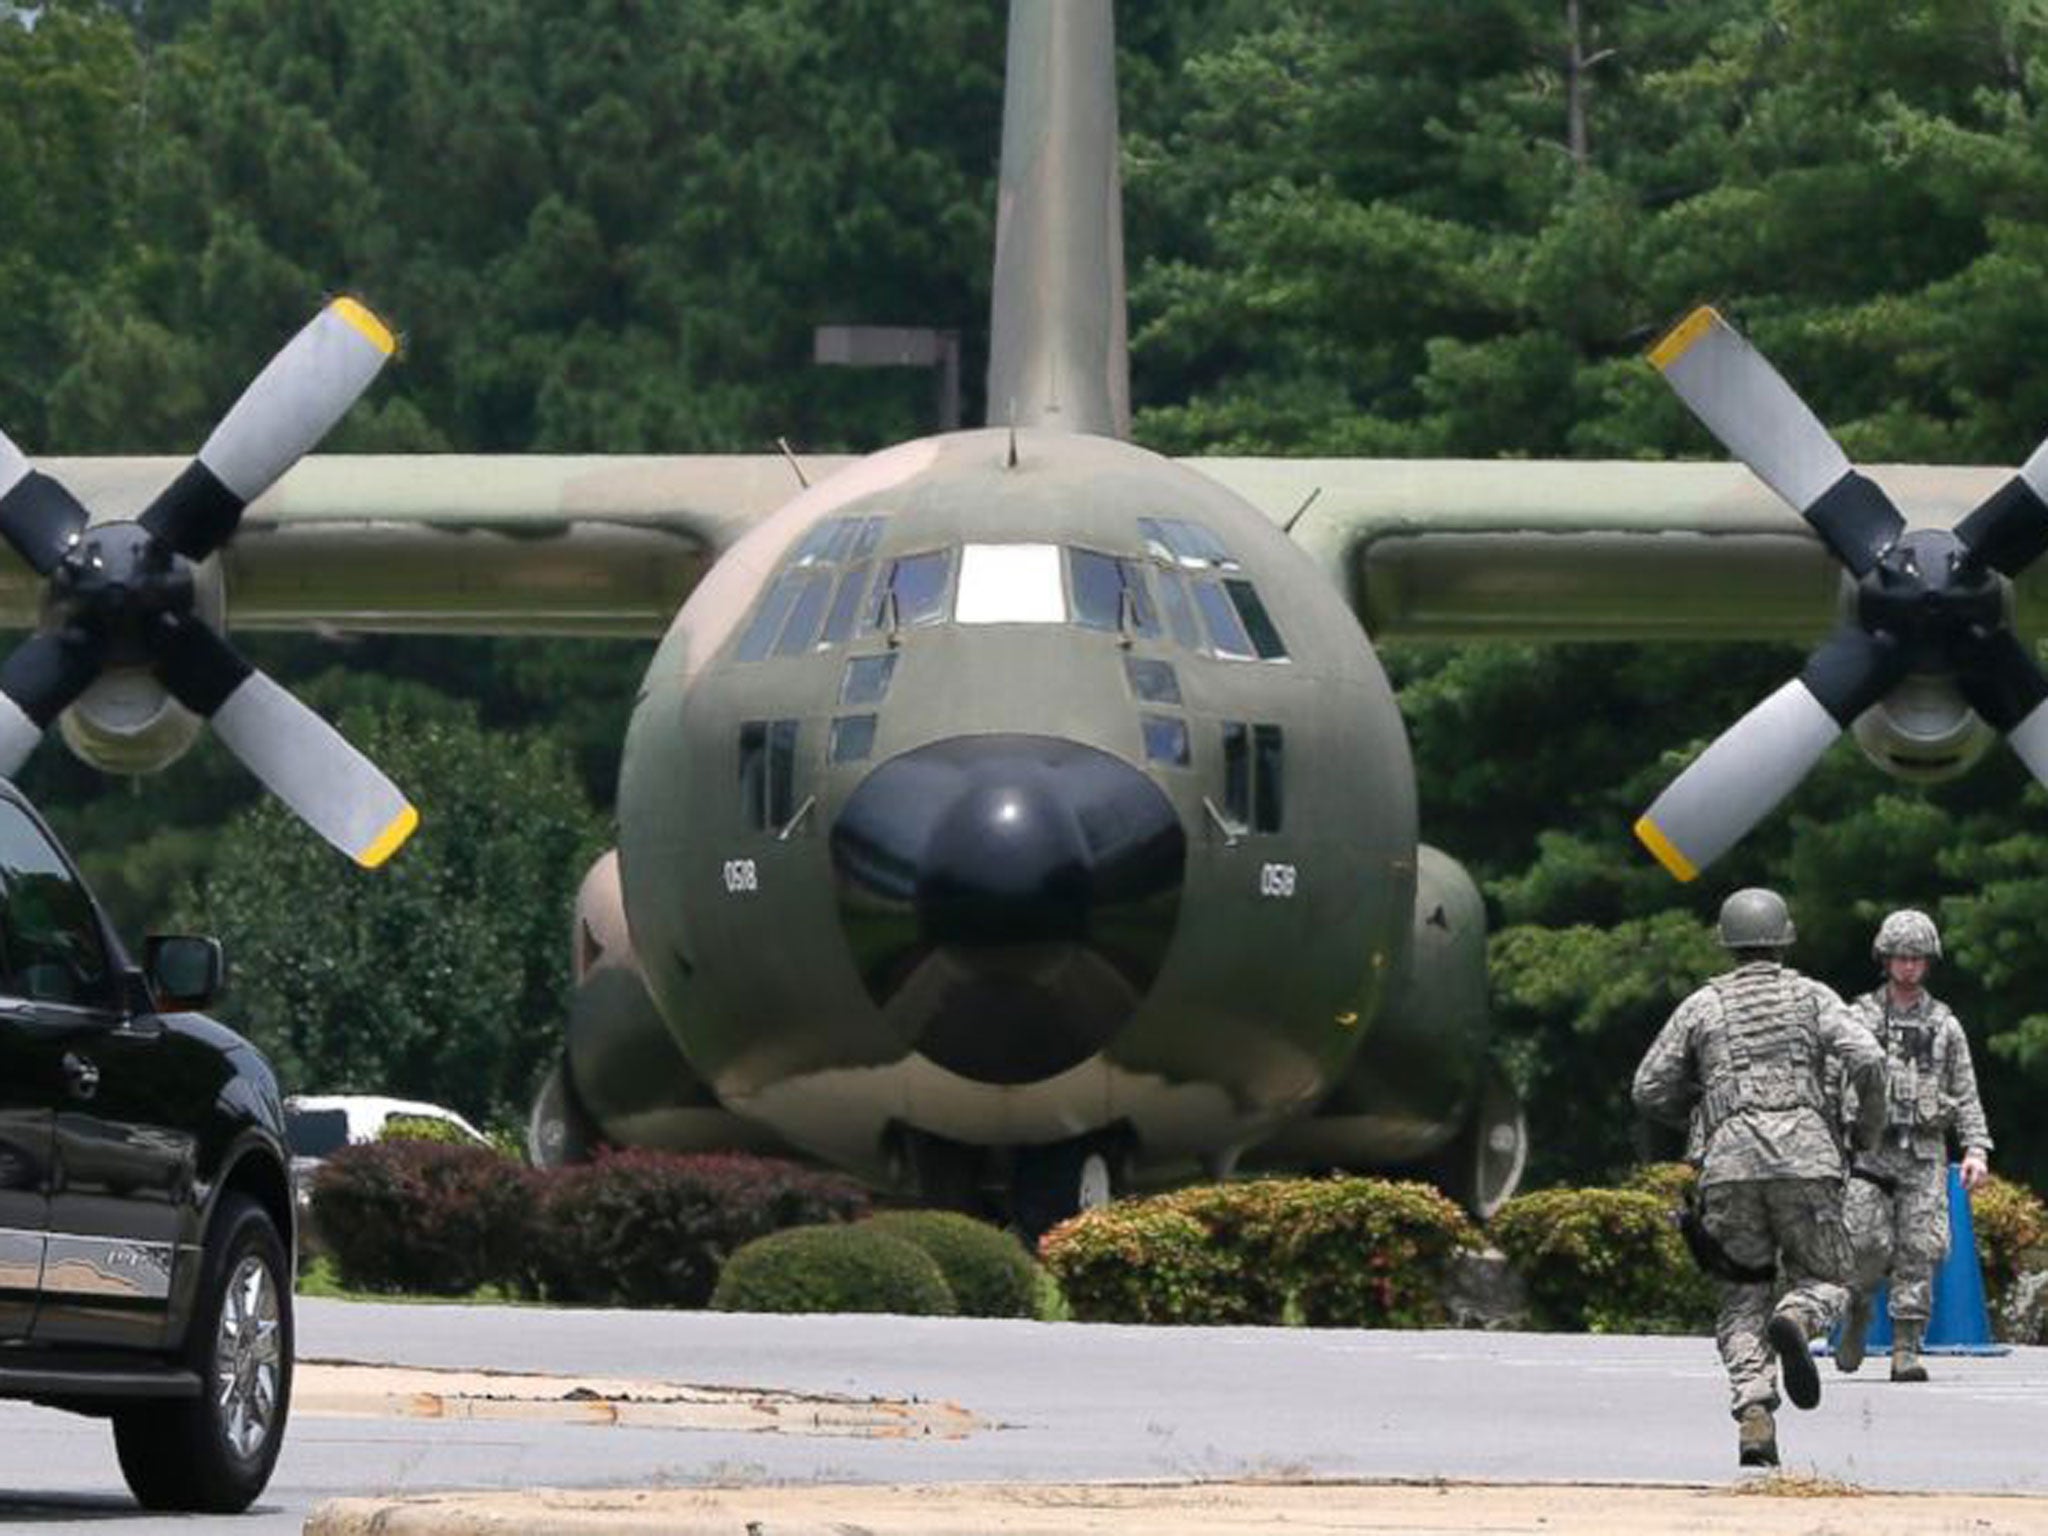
[[1798, 1485], [317, 1278]]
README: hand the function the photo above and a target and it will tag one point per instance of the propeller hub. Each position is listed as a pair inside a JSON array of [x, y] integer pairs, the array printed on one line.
[[118, 580], [1927, 594]]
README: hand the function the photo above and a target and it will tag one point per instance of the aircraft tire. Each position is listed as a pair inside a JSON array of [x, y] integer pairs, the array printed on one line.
[[559, 1130], [1482, 1166], [1052, 1183]]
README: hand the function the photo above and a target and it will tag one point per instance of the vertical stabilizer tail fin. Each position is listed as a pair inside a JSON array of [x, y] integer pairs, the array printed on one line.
[[1058, 353]]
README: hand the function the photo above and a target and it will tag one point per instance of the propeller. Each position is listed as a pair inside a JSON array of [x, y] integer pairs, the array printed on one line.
[[122, 594], [1927, 600]]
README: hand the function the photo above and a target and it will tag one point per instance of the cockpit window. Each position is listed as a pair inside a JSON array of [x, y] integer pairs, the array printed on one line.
[[1152, 681], [912, 592], [1179, 542], [867, 679], [824, 579], [1110, 593], [1010, 584], [1258, 624], [1219, 617]]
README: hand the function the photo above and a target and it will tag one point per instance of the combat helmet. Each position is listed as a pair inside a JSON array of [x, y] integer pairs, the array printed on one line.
[[1754, 918], [1907, 932]]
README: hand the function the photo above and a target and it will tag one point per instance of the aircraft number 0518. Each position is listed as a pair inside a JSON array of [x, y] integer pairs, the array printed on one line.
[[741, 877], [1276, 880]]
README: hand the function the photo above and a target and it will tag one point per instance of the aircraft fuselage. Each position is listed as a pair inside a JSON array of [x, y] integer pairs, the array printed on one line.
[[1012, 803]]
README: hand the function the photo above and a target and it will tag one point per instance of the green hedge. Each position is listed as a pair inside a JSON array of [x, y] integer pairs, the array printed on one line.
[[429, 1217], [858, 1268], [2011, 1224], [653, 1229], [1346, 1252], [987, 1270], [1604, 1261]]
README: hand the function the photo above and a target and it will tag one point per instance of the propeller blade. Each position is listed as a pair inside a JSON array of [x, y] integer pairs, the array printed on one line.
[[39, 678], [37, 515], [2000, 679], [1761, 758], [293, 403], [300, 758], [2009, 530], [1740, 398]]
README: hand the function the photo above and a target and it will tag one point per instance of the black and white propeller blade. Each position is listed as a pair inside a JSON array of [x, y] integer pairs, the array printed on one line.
[[1740, 398], [300, 758], [1928, 601], [121, 594], [293, 403], [1754, 764]]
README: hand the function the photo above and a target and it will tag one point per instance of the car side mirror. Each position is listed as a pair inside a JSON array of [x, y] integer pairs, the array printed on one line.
[[184, 972]]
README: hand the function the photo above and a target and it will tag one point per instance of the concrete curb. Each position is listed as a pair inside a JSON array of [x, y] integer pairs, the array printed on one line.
[[1780, 1505]]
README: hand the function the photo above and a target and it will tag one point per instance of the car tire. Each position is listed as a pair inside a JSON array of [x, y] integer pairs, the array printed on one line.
[[214, 1452]]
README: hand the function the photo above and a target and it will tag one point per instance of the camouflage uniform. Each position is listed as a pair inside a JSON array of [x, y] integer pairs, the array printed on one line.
[[1747, 1052], [1931, 1091]]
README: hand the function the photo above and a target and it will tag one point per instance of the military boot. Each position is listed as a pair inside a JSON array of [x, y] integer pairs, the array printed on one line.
[[1802, 1382], [1855, 1328], [1906, 1364], [1756, 1437]]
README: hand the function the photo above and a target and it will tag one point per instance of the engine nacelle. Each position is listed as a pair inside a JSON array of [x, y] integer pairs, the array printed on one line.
[[1422, 1091], [622, 1077], [1922, 731], [125, 722]]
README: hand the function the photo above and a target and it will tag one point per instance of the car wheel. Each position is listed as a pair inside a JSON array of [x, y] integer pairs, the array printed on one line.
[[214, 1452]]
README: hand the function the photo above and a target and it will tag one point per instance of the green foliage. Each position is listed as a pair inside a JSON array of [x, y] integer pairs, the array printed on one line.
[[440, 976], [1138, 1261], [2011, 1224], [424, 1128], [986, 1269], [654, 1229], [1345, 1253], [1374, 1253], [424, 1216], [834, 1269], [1604, 1261]]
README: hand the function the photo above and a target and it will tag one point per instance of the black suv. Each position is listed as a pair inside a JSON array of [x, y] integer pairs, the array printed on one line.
[[145, 1208]]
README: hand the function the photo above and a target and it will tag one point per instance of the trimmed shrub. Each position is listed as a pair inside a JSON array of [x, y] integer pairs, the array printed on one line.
[[987, 1270], [653, 1229], [1138, 1261], [1373, 1253], [833, 1269], [425, 1216], [1604, 1261], [1248, 1226], [2011, 1224], [1670, 1182]]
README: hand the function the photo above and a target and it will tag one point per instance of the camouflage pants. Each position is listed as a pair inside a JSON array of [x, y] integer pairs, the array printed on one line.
[[1796, 1224], [1904, 1234]]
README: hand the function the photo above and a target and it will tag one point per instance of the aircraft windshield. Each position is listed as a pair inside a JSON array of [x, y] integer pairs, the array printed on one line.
[[1010, 584]]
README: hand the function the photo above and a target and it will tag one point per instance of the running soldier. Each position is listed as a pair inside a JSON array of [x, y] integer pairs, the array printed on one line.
[[1897, 1204], [1740, 1062]]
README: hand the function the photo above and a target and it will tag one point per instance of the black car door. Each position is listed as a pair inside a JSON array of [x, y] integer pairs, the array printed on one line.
[[25, 1116], [120, 1159]]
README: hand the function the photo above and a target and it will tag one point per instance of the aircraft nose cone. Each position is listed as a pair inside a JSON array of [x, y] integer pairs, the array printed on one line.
[[1008, 899]]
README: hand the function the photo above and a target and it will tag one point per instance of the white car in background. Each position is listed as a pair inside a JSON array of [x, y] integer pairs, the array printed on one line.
[[318, 1125]]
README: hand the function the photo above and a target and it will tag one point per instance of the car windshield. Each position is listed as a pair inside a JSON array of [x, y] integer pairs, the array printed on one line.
[[316, 1132]]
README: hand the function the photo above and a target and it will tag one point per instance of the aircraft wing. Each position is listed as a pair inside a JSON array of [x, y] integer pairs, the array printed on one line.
[[460, 543], [1442, 549], [1432, 549]]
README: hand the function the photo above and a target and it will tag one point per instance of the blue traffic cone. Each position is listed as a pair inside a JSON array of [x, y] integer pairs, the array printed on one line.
[[1959, 1322]]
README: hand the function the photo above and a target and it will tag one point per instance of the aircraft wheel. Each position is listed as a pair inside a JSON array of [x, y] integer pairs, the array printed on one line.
[[1482, 1166], [559, 1130], [1054, 1182]]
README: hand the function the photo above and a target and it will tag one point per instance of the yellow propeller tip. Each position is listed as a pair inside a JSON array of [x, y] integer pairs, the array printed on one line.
[[1680, 338], [357, 314], [1662, 849], [390, 840]]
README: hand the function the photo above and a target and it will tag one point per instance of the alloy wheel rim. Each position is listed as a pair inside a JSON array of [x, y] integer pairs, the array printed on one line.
[[248, 1358]]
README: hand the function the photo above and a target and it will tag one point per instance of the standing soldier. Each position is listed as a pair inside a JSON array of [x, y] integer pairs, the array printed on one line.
[[1745, 1054], [1897, 1204]]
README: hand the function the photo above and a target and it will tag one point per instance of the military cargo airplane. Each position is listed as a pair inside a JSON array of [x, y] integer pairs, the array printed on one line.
[[1017, 814]]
